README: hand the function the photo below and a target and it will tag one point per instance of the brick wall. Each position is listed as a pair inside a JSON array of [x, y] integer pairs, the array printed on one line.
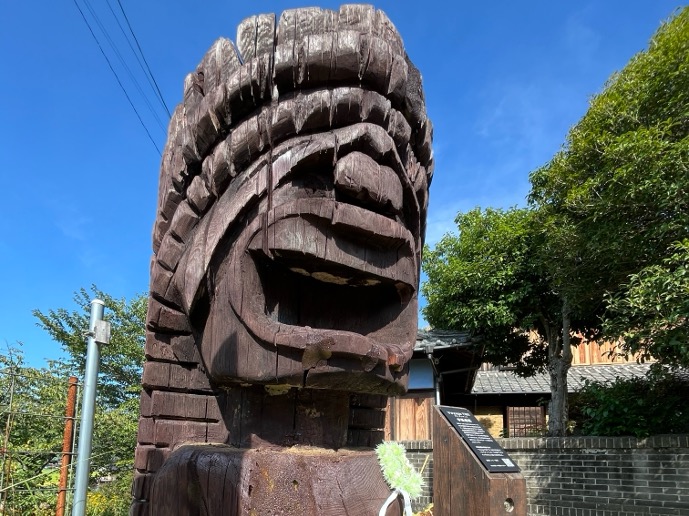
[[604, 476], [590, 476], [420, 453]]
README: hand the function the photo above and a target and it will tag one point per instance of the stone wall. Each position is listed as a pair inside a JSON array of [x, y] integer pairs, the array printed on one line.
[[591, 476]]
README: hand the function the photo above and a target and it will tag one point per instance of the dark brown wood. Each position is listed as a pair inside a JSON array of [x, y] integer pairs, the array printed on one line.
[[461, 484], [284, 284], [223, 481]]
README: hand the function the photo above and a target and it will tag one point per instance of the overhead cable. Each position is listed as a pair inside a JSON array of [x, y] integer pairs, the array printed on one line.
[[114, 48], [150, 73], [117, 77]]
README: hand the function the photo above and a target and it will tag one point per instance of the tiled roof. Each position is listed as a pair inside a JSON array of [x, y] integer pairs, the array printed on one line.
[[442, 339], [506, 382]]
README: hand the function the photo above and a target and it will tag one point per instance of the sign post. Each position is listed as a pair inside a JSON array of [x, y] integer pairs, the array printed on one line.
[[493, 457], [472, 473]]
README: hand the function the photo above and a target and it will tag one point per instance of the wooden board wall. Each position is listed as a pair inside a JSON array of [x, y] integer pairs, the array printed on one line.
[[598, 353], [409, 417]]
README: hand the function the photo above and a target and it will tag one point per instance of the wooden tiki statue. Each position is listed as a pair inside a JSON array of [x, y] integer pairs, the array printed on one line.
[[283, 296]]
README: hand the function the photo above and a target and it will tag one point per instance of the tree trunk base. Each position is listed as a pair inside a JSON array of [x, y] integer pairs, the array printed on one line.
[[218, 480]]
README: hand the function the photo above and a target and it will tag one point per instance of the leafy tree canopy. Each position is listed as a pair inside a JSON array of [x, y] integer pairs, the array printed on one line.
[[485, 280], [614, 200], [121, 359], [32, 407], [493, 279], [652, 313]]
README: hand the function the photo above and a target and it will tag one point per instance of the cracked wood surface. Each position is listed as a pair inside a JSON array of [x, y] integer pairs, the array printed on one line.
[[287, 244]]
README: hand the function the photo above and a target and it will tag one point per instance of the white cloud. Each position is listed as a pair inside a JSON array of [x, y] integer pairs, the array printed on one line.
[[70, 220]]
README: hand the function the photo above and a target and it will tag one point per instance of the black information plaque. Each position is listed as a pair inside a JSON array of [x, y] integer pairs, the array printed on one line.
[[493, 457]]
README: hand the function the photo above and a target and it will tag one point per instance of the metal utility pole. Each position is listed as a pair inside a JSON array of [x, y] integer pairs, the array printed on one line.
[[99, 333]]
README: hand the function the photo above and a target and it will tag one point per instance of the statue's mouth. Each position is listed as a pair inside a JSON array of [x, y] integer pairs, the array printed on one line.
[[337, 243], [329, 265], [318, 252], [331, 262]]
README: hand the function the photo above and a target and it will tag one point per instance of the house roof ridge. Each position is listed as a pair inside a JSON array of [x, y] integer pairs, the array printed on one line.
[[507, 382]]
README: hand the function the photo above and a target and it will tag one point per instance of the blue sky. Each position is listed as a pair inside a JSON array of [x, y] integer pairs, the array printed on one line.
[[504, 81]]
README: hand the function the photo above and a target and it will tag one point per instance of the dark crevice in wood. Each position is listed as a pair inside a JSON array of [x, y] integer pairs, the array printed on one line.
[[187, 390], [166, 267], [244, 111], [183, 363], [184, 418], [320, 304], [199, 314], [192, 170], [165, 301]]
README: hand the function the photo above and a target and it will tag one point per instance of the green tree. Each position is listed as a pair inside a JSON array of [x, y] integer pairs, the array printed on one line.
[[614, 200], [490, 279], [604, 235], [655, 404], [32, 408], [651, 313], [119, 385], [483, 280], [121, 360]]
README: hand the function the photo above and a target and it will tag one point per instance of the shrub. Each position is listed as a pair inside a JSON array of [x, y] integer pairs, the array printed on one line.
[[655, 404]]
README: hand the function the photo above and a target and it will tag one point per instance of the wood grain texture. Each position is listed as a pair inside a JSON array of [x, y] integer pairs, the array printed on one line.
[[220, 480], [410, 417], [283, 299]]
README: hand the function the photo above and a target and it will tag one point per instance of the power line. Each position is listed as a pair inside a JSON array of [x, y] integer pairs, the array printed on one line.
[[114, 48], [117, 78], [160, 95], [136, 55]]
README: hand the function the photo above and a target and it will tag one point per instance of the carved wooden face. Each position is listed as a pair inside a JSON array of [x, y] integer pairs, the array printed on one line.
[[294, 188]]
